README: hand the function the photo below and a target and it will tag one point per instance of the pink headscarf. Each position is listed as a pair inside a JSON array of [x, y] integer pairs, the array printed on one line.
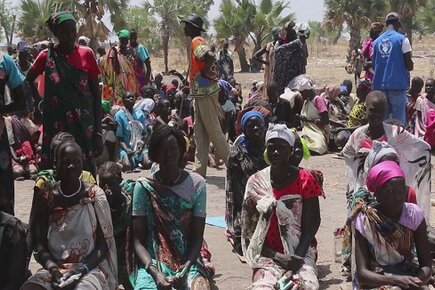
[[381, 173]]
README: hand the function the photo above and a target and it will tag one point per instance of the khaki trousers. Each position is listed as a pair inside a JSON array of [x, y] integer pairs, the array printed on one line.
[[207, 128]]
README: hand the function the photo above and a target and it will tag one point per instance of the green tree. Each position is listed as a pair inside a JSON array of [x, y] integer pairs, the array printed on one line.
[[425, 22], [407, 10], [33, 16], [356, 14], [89, 13], [319, 32], [236, 22], [138, 18], [268, 15], [7, 21], [169, 13]]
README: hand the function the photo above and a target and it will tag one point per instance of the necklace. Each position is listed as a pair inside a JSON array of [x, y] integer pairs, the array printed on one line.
[[173, 182], [283, 178], [70, 195]]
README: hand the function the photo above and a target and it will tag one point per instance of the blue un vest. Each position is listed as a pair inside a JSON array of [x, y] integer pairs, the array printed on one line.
[[390, 68]]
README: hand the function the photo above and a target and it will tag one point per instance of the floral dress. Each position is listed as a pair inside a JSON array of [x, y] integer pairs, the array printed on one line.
[[168, 212], [67, 107]]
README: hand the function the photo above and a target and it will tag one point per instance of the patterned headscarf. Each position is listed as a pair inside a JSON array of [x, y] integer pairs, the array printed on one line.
[[381, 173], [365, 85], [378, 151], [57, 18], [302, 83]]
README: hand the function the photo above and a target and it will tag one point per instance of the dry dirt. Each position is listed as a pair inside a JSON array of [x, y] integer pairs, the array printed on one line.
[[326, 65]]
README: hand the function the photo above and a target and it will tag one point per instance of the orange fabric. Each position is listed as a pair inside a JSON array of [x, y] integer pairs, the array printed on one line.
[[197, 65]]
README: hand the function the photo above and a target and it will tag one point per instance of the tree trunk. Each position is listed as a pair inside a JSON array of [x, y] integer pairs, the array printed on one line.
[[241, 52], [12, 29], [407, 26], [165, 43], [93, 43], [256, 65], [338, 36], [355, 38]]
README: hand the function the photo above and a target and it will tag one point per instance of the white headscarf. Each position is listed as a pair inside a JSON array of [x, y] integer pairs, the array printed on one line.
[[379, 150], [302, 83], [280, 131], [85, 39], [302, 28], [145, 105]]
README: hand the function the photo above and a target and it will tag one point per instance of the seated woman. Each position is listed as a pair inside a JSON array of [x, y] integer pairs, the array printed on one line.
[[387, 232], [380, 152], [314, 115], [73, 234], [168, 220], [280, 218], [22, 149], [13, 264], [414, 153], [246, 158], [357, 116]]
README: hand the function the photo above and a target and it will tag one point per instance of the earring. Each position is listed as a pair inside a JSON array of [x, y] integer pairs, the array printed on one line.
[[266, 157]]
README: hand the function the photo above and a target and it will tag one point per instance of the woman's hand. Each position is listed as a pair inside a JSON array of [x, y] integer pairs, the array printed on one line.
[[406, 282], [80, 271], [162, 282], [56, 275], [180, 278], [289, 262]]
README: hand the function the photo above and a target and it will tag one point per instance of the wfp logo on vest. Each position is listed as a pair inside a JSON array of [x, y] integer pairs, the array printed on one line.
[[385, 47]]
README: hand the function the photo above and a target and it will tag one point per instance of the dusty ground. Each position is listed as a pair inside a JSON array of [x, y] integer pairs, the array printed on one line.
[[326, 65]]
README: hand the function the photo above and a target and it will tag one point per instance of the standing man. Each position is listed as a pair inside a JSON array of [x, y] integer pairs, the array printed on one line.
[[144, 59], [204, 89], [392, 61], [225, 63], [12, 79]]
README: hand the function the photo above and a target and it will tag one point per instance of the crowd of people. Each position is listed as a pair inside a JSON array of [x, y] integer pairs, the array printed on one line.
[[71, 117]]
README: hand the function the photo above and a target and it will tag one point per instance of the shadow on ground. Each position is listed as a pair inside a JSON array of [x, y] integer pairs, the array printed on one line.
[[218, 181]]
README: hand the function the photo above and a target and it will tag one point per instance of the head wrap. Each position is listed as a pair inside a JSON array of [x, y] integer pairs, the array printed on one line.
[[365, 85], [57, 18], [170, 87], [377, 152], [145, 105], [106, 106], [302, 83], [123, 33], [381, 173], [85, 39], [302, 28], [259, 85], [280, 131], [333, 91], [249, 115], [226, 86]]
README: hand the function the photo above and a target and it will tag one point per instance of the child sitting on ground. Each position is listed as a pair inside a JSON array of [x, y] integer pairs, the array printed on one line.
[[119, 194]]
